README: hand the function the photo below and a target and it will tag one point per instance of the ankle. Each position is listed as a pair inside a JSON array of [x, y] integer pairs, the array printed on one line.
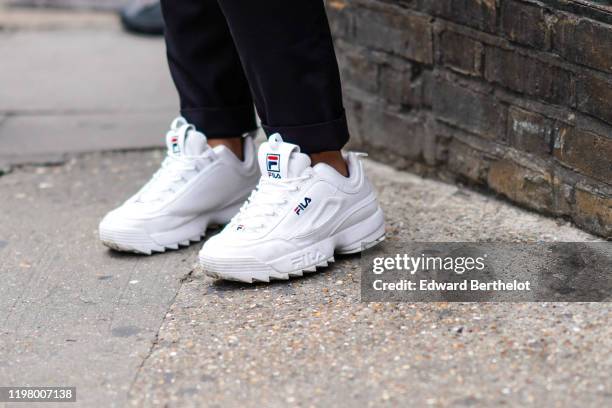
[[235, 144], [333, 159]]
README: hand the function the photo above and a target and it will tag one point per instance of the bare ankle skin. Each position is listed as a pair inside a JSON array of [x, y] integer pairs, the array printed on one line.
[[235, 144], [333, 158]]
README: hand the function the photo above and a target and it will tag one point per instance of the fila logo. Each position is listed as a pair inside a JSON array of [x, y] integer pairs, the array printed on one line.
[[240, 227], [273, 163], [308, 258], [302, 206], [175, 146]]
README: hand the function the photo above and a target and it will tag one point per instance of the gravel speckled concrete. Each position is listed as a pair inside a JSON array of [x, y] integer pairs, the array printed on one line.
[[312, 343], [71, 311], [131, 330]]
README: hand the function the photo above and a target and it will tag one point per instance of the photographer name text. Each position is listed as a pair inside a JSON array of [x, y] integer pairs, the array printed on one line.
[[431, 285]]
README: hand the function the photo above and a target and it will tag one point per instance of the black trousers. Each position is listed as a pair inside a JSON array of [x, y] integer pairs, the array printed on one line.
[[226, 54]]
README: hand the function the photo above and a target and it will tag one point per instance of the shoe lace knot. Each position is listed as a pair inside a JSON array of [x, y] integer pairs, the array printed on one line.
[[267, 200], [176, 170]]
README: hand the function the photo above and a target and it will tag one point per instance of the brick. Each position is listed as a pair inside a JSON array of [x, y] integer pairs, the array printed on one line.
[[358, 69], [435, 145], [381, 128], [594, 96], [523, 185], [428, 84], [480, 14], [468, 110], [528, 75], [397, 31], [584, 42], [530, 132], [395, 83], [461, 53], [594, 212], [586, 152], [525, 24], [467, 161], [403, 84], [563, 196]]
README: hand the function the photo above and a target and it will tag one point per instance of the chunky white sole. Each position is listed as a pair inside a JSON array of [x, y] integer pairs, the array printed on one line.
[[356, 238], [142, 242]]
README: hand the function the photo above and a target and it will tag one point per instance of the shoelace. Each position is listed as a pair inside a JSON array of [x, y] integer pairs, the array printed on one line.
[[267, 199], [173, 173], [168, 177]]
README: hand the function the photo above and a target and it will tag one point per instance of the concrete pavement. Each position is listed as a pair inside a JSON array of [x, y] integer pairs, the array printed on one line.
[[74, 82], [154, 331], [128, 330]]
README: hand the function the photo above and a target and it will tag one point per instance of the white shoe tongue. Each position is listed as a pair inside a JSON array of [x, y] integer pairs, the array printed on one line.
[[186, 141], [280, 160]]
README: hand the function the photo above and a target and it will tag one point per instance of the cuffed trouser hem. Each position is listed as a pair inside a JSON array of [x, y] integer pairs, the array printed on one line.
[[319, 137], [217, 123]]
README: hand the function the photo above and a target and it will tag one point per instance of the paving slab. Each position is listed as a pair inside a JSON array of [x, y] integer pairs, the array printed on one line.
[[97, 88], [84, 70], [15, 18], [78, 4], [41, 138]]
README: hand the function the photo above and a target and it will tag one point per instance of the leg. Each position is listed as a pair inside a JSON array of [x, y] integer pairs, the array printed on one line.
[[299, 215], [288, 57], [214, 93]]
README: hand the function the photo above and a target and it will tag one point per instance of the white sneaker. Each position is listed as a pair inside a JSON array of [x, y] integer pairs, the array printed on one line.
[[195, 187], [295, 219]]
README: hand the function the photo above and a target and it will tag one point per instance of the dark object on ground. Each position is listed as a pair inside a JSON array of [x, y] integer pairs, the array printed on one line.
[[143, 18]]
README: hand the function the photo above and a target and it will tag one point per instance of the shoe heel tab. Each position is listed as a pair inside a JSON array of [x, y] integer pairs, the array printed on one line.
[[249, 151], [353, 155], [355, 168], [178, 122]]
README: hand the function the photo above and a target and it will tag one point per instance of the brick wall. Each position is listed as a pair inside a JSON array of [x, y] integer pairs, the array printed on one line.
[[513, 95]]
